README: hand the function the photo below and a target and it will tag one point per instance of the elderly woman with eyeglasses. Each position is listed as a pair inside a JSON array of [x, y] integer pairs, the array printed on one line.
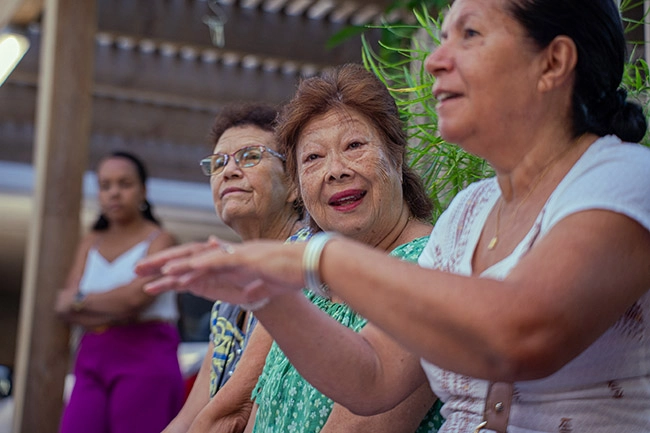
[[254, 197]]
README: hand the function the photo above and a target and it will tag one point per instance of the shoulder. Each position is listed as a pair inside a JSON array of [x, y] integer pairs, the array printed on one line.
[[87, 241], [611, 151], [610, 175], [161, 239], [466, 205], [412, 250]]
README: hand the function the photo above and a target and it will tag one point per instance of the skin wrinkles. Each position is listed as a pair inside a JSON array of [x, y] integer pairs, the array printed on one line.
[[241, 195], [340, 151]]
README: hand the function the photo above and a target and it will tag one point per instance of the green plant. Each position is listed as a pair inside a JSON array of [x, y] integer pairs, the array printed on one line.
[[445, 168], [636, 78]]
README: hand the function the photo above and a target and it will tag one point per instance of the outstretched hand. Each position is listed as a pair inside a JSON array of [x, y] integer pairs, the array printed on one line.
[[152, 265], [241, 273]]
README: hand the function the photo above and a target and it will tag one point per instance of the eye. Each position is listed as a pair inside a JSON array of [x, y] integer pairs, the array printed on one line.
[[470, 33], [311, 157], [218, 162], [355, 145], [250, 157]]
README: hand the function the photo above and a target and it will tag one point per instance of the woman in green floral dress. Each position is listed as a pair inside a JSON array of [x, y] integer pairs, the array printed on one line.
[[345, 146], [288, 403]]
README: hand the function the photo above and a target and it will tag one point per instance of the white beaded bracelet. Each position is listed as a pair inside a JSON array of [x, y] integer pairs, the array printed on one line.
[[311, 262], [254, 306]]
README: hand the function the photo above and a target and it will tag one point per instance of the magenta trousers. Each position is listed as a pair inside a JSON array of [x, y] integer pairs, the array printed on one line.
[[127, 380]]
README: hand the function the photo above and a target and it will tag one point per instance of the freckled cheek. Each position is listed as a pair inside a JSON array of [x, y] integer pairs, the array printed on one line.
[[308, 193]]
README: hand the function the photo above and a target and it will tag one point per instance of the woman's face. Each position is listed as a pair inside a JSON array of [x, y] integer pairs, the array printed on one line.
[[120, 191], [486, 71], [257, 192], [347, 181]]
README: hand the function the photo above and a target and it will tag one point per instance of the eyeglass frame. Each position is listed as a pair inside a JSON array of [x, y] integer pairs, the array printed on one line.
[[227, 157]]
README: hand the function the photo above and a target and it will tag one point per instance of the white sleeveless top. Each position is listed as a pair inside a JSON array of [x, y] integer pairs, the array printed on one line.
[[100, 275], [607, 387]]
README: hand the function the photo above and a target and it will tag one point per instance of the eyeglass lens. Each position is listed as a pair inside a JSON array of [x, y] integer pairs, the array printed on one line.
[[244, 158]]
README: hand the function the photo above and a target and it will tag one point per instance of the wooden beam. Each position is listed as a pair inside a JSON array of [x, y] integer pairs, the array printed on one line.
[[63, 119], [7, 10]]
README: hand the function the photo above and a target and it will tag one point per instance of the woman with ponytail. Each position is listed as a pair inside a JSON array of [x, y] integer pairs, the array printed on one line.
[[127, 377]]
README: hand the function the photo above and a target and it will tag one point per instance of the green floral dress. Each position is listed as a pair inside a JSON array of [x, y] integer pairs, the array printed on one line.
[[288, 403]]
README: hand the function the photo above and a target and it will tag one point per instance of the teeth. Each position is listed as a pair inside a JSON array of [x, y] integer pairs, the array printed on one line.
[[346, 200], [444, 95]]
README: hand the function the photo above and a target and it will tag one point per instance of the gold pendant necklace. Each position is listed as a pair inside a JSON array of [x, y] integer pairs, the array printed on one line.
[[495, 239]]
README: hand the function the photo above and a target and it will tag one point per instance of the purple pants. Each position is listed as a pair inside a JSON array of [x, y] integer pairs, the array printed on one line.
[[127, 380]]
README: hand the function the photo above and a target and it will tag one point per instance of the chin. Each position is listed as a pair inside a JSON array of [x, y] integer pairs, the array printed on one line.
[[229, 216]]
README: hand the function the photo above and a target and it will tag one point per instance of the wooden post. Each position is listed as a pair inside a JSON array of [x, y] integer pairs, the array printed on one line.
[[63, 121]]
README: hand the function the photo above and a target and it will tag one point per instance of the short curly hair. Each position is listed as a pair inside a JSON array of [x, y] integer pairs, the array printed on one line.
[[256, 114]]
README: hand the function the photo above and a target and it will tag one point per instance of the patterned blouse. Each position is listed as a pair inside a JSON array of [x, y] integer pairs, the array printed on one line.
[[227, 335], [288, 403]]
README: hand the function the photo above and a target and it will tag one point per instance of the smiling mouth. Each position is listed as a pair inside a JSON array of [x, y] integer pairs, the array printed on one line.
[[347, 199], [445, 96], [230, 191]]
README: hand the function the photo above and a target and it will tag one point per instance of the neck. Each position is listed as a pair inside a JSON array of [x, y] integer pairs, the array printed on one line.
[[279, 227], [130, 226], [539, 165], [405, 230]]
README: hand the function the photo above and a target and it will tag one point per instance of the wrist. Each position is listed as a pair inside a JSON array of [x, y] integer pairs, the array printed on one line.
[[79, 302], [254, 306], [311, 263]]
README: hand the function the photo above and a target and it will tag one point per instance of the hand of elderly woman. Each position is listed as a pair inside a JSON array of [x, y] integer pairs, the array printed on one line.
[[213, 270], [152, 264]]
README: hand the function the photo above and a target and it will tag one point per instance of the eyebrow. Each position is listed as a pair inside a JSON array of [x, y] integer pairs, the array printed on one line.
[[462, 19]]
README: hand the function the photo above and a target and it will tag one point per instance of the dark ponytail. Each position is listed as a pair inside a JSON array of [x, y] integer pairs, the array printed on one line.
[[596, 28]]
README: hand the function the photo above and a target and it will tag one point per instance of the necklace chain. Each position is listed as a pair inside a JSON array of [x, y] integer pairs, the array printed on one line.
[[495, 239]]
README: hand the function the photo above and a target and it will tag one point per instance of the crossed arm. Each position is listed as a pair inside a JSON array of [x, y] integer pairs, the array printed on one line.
[[119, 304]]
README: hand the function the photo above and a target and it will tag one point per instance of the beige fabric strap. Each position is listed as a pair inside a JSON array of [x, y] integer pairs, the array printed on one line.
[[497, 406]]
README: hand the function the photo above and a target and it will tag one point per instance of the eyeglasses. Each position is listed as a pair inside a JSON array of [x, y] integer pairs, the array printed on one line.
[[245, 157]]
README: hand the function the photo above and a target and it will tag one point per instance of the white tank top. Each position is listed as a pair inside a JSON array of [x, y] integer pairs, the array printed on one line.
[[100, 276]]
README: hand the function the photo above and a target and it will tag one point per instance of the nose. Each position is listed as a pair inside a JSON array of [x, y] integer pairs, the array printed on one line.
[[338, 167], [231, 169], [439, 60], [114, 190]]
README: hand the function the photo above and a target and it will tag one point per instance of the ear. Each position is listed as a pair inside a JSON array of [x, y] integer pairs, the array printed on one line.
[[559, 62], [293, 192]]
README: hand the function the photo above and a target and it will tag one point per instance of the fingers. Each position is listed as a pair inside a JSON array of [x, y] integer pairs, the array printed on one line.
[[162, 284], [151, 265], [255, 290]]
